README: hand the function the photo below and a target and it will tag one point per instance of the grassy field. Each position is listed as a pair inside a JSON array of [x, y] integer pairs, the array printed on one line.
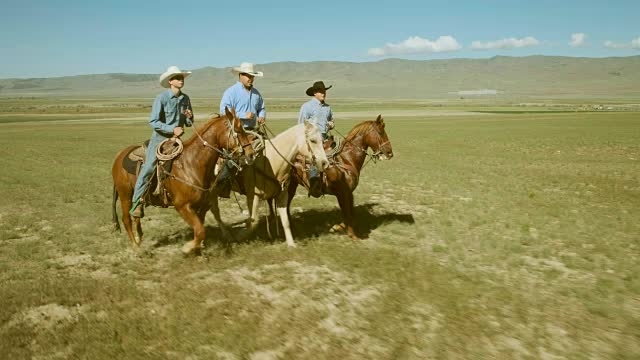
[[510, 236]]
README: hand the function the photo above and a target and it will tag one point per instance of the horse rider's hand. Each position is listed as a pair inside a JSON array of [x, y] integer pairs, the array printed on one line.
[[260, 120], [188, 113], [330, 124], [177, 131], [249, 115]]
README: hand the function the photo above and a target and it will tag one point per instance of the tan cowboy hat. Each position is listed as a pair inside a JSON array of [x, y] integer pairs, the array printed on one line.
[[246, 68], [171, 71], [317, 86]]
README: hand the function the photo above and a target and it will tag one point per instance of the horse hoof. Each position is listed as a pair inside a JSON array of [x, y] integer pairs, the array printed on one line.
[[190, 249], [292, 246], [336, 228]]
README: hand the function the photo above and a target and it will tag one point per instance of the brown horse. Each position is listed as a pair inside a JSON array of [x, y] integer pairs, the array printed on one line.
[[341, 178], [191, 180]]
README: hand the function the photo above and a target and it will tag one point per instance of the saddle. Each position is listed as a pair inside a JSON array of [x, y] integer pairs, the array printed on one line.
[[133, 162]]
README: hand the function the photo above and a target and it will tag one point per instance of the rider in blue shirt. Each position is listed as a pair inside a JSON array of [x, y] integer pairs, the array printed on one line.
[[171, 111], [319, 112], [244, 98], [249, 107], [316, 110]]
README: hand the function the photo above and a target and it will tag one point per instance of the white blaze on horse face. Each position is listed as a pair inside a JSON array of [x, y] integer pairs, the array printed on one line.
[[314, 141]]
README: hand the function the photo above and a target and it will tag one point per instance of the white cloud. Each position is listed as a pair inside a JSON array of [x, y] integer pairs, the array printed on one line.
[[510, 43], [577, 39], [634, 44], [417, 45]]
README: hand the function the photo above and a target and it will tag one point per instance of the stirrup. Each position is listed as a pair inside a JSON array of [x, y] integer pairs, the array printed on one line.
[[137, 210]]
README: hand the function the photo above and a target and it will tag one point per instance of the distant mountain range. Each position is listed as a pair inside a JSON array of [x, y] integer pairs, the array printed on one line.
[[500, 76]]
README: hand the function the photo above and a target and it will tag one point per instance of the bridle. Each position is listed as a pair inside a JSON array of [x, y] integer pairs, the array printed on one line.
[[375, 155], [313, 155], [224, 153], [228, 155]]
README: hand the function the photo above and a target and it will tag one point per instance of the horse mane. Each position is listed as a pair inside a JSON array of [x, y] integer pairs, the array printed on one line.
[[286, 132], [362, 128], [205, 127]]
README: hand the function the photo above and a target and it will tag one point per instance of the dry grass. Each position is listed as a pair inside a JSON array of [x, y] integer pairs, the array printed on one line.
[[502, 236]]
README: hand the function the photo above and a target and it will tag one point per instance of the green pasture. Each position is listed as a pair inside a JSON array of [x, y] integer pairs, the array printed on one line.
[[24, 108], [511, 236]]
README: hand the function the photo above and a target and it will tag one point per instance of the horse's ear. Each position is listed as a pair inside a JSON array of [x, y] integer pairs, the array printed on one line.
[[306, 123], [228, 113], [237, 125], [380, 120]]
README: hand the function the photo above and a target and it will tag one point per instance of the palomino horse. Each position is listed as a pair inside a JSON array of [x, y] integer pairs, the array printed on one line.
[[341, 178], [269, 176], [191, 180]]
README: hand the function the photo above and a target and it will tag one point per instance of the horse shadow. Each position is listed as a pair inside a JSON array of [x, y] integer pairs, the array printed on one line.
[[213, 237], [317, 222], [305, 225]]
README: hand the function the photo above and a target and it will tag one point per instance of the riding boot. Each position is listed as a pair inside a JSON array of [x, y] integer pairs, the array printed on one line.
[[137, 210], [223, 184], [315, 182]]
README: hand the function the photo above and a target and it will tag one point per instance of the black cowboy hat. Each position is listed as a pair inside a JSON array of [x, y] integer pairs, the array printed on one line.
[[317, 86]]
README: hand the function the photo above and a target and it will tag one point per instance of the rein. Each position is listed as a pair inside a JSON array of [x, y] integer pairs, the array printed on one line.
[[223, 153], [313, 156]]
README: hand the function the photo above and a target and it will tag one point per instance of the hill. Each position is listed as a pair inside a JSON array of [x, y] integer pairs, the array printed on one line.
[[531, 76]]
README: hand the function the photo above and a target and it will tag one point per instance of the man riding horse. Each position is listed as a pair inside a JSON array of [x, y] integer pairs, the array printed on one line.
[[319, 112], [249, 106], [171, 111]]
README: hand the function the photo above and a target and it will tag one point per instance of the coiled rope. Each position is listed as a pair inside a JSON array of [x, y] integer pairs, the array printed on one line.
[[176, 148]]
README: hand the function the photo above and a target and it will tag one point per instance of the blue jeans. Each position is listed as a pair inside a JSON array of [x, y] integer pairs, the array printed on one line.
[[148, 167]]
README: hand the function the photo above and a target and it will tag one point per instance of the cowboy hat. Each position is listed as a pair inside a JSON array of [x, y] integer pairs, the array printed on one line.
[[317, 86], [246, 68], [171, 71]]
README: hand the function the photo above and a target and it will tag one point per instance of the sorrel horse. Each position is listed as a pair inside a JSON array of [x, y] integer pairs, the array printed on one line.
[[269, 176], [341, 177], [191, 180]]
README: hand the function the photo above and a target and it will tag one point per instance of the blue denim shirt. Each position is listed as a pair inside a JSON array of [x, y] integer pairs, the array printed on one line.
[[316, 112], [238, 98], [166, 113]]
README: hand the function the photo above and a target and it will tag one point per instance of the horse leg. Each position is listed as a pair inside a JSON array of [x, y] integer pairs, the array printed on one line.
[[291, 192], [270, 216], [281, 204], [215, 210], [138, 229], [192, 218], [125, 204], [255, 211], [345, 200]]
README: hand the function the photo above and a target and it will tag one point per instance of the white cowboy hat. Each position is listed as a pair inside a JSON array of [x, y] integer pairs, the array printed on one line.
[[171, 71], [247, 68]]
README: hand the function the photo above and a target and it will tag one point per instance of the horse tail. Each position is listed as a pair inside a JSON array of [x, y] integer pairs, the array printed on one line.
[[116, 223]]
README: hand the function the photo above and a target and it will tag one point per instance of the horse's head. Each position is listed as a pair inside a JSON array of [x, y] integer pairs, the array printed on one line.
[[378, 140], [314, 151], [239, 141]]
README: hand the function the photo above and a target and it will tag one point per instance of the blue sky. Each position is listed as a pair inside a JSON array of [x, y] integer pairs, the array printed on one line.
[[41, 38]]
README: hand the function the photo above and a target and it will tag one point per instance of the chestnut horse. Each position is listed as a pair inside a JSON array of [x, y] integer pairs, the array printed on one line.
[[268, 177], [191, 180], [341, 178]]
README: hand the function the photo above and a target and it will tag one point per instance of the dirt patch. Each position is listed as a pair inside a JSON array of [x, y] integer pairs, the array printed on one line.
[[47, 317], [295, 290]]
